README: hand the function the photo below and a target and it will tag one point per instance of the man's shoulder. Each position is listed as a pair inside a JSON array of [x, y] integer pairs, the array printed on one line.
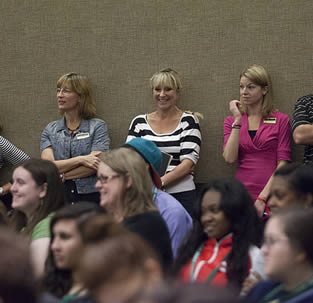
[[306, 100]]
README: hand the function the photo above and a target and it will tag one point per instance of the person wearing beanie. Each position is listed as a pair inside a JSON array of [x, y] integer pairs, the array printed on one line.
[[174, 214]]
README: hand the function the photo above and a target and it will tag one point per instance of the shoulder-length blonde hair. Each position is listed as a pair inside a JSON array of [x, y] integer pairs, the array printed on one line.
[[129, 164], [81, 86], [259, 76]]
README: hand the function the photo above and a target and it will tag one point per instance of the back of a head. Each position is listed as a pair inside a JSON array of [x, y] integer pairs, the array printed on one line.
[[188, 293], [99, 228], [116, 263], [17, 280]]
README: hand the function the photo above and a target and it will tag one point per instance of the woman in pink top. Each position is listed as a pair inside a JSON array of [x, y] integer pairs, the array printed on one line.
[[256, 136]]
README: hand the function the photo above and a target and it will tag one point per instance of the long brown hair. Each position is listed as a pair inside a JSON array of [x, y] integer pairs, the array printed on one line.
[[42, 171]]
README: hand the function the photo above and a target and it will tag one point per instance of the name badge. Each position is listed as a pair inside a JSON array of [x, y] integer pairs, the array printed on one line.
[[269, 121], [80, 136]]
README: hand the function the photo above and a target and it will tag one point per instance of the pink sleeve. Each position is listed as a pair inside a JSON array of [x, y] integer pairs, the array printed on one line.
[[227, 128], [283, 148]]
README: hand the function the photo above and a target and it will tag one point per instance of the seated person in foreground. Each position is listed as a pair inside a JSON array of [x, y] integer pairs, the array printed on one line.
[[221, 249], [288, 259], [174, 214]]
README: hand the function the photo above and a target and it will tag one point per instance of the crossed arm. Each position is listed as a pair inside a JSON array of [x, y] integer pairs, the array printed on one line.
[[77, 167]]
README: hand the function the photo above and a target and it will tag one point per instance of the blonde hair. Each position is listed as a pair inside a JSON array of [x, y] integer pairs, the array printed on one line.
[[168, 77], [129, 164], [81, 86], [259, 76]]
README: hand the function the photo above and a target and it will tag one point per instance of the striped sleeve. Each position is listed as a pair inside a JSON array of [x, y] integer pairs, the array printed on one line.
[[190, 139], [138, 128], [303, 112], [11, 153]]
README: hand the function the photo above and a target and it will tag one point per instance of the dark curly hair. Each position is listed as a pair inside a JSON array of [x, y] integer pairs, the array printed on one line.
[[246, 228], [298, 176]]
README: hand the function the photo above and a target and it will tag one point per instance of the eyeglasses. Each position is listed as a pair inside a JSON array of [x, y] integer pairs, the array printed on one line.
[[106, 179]]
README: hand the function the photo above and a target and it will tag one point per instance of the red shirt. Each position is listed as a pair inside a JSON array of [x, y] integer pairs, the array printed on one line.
[[212, 256]]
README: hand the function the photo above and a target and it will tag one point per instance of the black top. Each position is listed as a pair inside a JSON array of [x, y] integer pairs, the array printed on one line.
[[252, 134], [152, 228]]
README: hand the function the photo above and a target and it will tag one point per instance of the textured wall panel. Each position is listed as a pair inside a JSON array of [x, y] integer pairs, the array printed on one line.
[[120, 44]]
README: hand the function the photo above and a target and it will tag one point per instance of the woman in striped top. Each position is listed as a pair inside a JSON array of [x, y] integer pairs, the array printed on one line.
[[11, 154], [175, 132]]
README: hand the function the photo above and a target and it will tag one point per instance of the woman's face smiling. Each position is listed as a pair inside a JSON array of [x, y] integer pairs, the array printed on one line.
[[25, 191], [165, 97], [250, 93], [214, 222], [112, 188]]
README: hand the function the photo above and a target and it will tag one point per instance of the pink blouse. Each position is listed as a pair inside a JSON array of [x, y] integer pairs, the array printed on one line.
[[257, 158]]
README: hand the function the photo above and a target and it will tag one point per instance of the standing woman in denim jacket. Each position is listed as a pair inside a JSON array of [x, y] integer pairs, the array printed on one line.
[[75, 141]]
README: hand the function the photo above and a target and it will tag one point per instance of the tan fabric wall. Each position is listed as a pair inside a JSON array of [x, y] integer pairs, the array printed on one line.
[[120, 43]]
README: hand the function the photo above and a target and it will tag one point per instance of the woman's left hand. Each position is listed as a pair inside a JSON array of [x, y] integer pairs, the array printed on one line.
[[90, 161], [260, 207]]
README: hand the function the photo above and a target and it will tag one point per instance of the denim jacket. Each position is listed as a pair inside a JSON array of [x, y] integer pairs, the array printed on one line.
[[92, 135]]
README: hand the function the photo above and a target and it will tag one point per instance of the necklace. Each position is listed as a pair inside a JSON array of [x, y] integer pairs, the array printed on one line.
[[72, 130]]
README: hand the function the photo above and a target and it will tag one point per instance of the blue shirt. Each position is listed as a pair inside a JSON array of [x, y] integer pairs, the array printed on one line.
[[177, 219], [92, 135]]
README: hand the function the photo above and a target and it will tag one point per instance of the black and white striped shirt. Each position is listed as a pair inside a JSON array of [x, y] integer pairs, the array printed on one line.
[[10, 153], [183, 143], [303, 114]]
